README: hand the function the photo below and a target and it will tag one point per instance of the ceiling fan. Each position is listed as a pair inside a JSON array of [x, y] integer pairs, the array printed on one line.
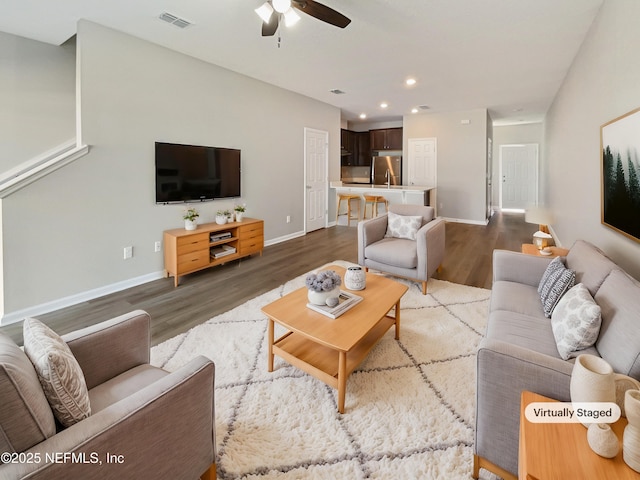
[[273, 11]]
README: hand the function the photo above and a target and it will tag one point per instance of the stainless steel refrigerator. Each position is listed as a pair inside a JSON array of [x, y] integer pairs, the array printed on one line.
[[386, 170]]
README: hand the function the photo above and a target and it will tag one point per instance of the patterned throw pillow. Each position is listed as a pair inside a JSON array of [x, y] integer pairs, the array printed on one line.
[[403, 226], [555, 282], [575, 321], [58, 371]]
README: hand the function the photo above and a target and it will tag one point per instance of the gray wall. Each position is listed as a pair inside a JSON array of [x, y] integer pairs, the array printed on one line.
[[513, 135], [462, 158], [37, 98], [602, 84], [134, 93]]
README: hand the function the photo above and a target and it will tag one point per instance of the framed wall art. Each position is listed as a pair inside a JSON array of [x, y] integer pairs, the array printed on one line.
[[620, 147]]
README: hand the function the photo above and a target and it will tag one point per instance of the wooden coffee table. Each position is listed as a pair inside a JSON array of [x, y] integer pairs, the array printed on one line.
[[330, 349]]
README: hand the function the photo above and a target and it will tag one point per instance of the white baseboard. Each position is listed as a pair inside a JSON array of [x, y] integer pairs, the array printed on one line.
[[71, 300], [284, 238]]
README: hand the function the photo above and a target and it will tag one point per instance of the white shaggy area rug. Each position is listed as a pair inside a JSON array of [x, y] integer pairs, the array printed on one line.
[[409, 411]]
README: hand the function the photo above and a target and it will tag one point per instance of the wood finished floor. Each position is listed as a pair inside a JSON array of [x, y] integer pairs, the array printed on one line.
[[203, 295]]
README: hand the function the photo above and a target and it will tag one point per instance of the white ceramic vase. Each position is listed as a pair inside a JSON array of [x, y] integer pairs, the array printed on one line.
[[221, 219], [355, 278], [631, 436], [603, 440], [320, 298], [592, 380], [190, 224], [239, 216]]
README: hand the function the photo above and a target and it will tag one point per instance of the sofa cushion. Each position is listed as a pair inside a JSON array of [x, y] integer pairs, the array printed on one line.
[[532, 333], [590, 264], [516, 297], [556, 280], [58, 371], [619, 340], [398, 252], [403, 226], [575, 322], [25, 416]]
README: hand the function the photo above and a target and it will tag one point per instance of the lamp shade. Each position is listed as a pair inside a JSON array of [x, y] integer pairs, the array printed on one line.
[[265, 11], [538, 214], [281, 6]]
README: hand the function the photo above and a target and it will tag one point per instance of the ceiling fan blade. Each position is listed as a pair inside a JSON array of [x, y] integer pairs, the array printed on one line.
[[268, 29], [322, 12]]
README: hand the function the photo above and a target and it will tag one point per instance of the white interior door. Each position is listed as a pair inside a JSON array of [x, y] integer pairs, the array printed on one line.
[[489, 177], [422, 161], [519, 173], [316, 153]]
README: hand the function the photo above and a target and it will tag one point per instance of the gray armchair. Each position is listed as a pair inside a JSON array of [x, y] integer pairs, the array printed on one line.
[[414, 259], [145, 422]]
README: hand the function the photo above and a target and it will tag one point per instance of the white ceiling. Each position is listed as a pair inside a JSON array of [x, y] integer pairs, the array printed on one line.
[[509, 56]]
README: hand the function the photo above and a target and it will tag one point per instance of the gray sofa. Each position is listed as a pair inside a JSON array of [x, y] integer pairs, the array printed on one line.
[[414, 259], [519, 350], [152, 423]]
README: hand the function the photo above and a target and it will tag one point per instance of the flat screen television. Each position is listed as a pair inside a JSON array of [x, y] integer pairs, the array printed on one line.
[[192, 173]]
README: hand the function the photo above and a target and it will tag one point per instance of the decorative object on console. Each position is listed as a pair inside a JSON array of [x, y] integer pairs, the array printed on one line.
[[355, 278], [190, 222], [631, 436], [240, 209], [620, 175], [543, 217], [221, 217], [592, 380], [603, 440], [322, 286]]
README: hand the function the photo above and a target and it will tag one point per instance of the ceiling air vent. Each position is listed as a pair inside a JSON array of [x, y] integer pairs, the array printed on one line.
[[173, 20], [337, 91], [424, 107]]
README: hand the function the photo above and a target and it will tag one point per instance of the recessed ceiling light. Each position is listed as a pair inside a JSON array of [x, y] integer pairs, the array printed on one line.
[[414, 110], [384, 105], [363, 115], [411, 81]]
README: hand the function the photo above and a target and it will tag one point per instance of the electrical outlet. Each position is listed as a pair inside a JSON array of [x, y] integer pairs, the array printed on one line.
[[157, 247], [128, 252], [288, 218]]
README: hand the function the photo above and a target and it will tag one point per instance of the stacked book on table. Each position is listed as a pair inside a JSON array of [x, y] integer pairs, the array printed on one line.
[[222, 251], [346, 301]]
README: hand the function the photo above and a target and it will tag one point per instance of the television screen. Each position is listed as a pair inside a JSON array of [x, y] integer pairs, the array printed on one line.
[[191, 173]]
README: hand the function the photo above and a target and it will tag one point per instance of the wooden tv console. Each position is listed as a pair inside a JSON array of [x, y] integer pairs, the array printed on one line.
[[187, 251]]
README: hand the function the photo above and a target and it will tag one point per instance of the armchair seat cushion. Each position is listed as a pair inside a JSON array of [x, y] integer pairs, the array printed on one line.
[[398, 252], [124, 385]]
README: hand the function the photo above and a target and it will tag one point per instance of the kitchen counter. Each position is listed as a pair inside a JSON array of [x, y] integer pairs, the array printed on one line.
[[407, 194]]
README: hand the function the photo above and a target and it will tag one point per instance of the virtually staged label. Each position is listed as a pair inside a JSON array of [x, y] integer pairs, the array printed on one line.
[[576, 412]]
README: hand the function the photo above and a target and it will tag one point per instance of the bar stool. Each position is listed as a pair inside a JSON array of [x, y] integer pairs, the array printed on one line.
[[348, 198], [374, 200]]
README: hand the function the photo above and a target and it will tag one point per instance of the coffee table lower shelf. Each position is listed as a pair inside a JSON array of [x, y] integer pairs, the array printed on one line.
[[325, 363]]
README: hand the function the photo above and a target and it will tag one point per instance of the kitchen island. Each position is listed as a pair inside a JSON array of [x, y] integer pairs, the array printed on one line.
[[407, 194]]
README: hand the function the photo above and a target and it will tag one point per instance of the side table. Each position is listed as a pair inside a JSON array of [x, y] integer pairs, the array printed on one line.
[[530, 249], [560, 450]]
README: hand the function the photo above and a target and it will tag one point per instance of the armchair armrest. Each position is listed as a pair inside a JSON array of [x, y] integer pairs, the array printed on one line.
[[165, 430], [503, 372], [112, 347], [430, 244], [370, 231], [518, 267]]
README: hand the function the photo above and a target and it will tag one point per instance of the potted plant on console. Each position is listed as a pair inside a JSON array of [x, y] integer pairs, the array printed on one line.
[[240, 209], [190, 216], [221, 217]]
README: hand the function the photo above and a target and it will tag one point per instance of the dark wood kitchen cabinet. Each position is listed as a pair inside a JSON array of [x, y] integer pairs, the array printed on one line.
[[386, 139], [363, 143], [355, 149]]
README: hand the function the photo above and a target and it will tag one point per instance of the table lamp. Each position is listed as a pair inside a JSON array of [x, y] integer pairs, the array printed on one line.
[[543, 217]]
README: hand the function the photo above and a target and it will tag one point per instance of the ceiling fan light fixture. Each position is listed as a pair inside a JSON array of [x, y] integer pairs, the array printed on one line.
[[291, 17], [265, 11], [281, 6]]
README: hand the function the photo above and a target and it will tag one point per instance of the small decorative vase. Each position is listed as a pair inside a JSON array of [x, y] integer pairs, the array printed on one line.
[[190, 224], [355, 278], [320, 298], [631, 436], [239, 216], [592, 380], [221, 219], [603, 440]]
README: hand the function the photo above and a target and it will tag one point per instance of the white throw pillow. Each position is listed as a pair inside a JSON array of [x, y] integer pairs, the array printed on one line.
[[403, 226], [58, 371], [575, 321]]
